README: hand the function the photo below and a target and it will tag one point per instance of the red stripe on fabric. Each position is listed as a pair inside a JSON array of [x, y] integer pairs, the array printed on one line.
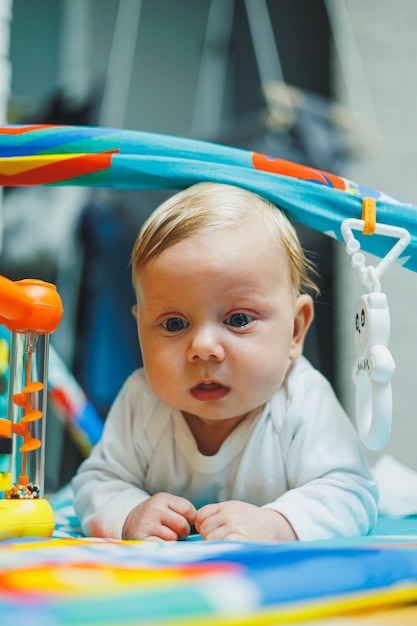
[[7, 130], [295, 170], [64, 169]]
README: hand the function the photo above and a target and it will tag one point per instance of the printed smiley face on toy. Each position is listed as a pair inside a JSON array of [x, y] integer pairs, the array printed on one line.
[[372, 322], [361, 327]]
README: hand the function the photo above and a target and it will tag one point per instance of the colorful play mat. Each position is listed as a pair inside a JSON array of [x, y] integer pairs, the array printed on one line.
[[74, 581]]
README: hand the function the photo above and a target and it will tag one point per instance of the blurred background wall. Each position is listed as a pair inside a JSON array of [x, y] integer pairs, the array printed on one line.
[[329, 83]]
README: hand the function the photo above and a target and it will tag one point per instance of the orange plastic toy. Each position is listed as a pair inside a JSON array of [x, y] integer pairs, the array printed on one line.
[[31, 310]]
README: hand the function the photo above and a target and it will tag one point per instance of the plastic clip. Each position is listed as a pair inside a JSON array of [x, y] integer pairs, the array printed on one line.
[[374, 366], [369, 215]]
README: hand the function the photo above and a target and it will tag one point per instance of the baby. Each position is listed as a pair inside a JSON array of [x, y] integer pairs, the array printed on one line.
[[228, 428]]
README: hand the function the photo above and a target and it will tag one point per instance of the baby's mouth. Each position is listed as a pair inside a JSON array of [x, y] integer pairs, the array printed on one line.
[[209, 391]]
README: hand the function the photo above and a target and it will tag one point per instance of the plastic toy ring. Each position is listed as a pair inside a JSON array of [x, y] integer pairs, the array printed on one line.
[[373, 370], [374, 397]]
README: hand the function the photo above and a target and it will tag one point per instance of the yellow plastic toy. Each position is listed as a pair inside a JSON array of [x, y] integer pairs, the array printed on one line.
[[31, 310]]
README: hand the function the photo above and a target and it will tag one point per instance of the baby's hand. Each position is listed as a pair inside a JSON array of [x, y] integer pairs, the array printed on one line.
[[162, 516], [240, 521]]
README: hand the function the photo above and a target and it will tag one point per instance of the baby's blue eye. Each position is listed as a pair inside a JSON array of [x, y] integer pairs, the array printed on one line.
[[238, 320], [174, 324]]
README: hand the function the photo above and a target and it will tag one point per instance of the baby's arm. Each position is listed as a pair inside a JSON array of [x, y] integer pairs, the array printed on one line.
[[111, 483], [162, 516], [239, 521]]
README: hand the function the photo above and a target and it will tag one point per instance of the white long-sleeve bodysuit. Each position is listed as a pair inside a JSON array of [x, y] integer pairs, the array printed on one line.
[[301, 456]]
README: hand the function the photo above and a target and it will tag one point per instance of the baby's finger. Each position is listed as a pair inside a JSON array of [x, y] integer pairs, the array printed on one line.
[[207, 520], [206, 511], [177, 523], [163, 533], [183, 507]]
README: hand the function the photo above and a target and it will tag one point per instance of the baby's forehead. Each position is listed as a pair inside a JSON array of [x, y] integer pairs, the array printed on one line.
[[241, 244], [249, 226]]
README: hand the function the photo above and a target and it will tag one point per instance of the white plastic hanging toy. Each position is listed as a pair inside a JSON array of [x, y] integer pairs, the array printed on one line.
[[374, 366]]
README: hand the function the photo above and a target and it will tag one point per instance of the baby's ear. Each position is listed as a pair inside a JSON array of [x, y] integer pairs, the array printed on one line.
[[135, 311], [304, 315]]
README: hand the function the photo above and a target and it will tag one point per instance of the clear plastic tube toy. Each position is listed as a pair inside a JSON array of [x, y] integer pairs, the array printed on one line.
[[31, 310]]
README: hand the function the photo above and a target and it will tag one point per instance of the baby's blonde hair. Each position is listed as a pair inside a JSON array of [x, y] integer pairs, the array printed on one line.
[[214, 206]]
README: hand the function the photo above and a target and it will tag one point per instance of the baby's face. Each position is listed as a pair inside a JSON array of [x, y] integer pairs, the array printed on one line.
[[218, 320]]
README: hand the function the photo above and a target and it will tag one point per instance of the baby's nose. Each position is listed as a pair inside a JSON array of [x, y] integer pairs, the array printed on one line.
[[205, 345]]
